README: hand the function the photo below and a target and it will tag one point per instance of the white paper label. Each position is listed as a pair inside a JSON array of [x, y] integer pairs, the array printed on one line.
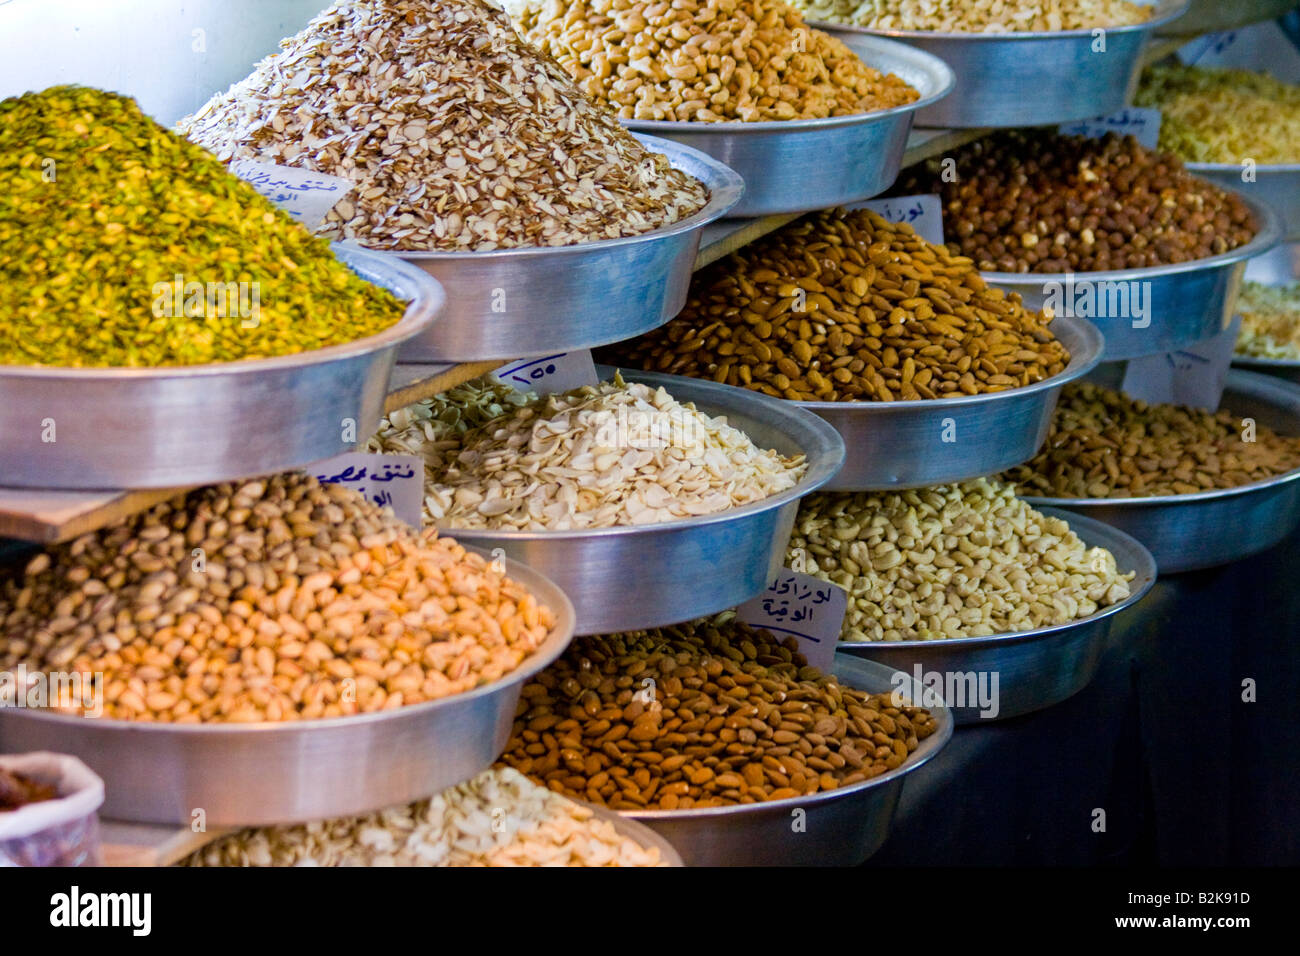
[[810, 609], [1190, 376], [1208, 50], [922, 213], [394, 481], [549, 373], [303, 194], [1138, 121]]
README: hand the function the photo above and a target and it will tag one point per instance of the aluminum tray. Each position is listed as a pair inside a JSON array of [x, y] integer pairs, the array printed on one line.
[[841, 827], [637, 832], [271, 773], [798, 165], [1212, 16], [1187, 301], [536, 300], [894, 445], [1034, 669], [638, 576], [1028, 79], [1188, 532], [1276, 186], [198, 424], [1280, 266]]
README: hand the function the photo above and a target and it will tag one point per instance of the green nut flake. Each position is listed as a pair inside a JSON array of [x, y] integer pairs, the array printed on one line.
[[123, 244]]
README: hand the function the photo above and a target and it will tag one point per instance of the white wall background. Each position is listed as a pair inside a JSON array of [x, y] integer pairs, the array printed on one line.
[[143, 48]]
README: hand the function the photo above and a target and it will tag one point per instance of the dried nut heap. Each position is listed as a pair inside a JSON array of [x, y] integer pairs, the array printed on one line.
[[611, 454], [1035, 201], [963, 560], [280, 599], [709, 713], [1223, 116], [1103, 444], [979, 16], [843, 306], [100, 266], [500, 818], [19, 791], [457, 134], [705, 60], [1270, 320]]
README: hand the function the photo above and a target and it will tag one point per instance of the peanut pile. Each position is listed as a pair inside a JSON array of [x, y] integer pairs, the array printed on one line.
[[844, 306], [1036, 201], [967, 560], [500, 818], [457, 135], [611, 454], [705, 60], [278, 599], [709, 713], [1103, 444]]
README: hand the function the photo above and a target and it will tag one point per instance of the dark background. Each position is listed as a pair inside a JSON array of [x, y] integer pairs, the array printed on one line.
[[1187, 772]]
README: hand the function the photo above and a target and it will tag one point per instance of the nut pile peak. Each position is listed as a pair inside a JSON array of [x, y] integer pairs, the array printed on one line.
[[458, 135], [844, 306], [278, 599], [706, 61], [122, 244]]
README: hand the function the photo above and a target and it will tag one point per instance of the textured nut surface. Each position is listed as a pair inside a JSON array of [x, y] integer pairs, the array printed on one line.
[[708, 713], [458, 135], [705, 60], [844, 306], [1036, 201], [595, 457], [1103, 444], [964, 560], [276, 599], [979, 16], [1270, 320], [500, 818]]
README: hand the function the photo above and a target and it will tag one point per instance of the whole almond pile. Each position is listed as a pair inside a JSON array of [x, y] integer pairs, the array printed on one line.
[[458, 135]]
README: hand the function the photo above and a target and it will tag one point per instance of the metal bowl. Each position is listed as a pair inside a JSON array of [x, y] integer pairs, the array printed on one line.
[[1212, 16], [272, 773], [638, 833], [1029, 79], [1276, 186], [637, 576], [1209, 528], [895, 445], [1033, 669], [1280, 266], [198, 424], [797, 165], [536, 300], [1186, 301], [839, 827]]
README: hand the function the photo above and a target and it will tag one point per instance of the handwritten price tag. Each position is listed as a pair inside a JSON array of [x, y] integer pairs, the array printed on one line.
[[922, 213], [1138, 121], [807, 607], [1208, 50], [1190, 376], [303, 194], [549, 373], [394, 481]]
